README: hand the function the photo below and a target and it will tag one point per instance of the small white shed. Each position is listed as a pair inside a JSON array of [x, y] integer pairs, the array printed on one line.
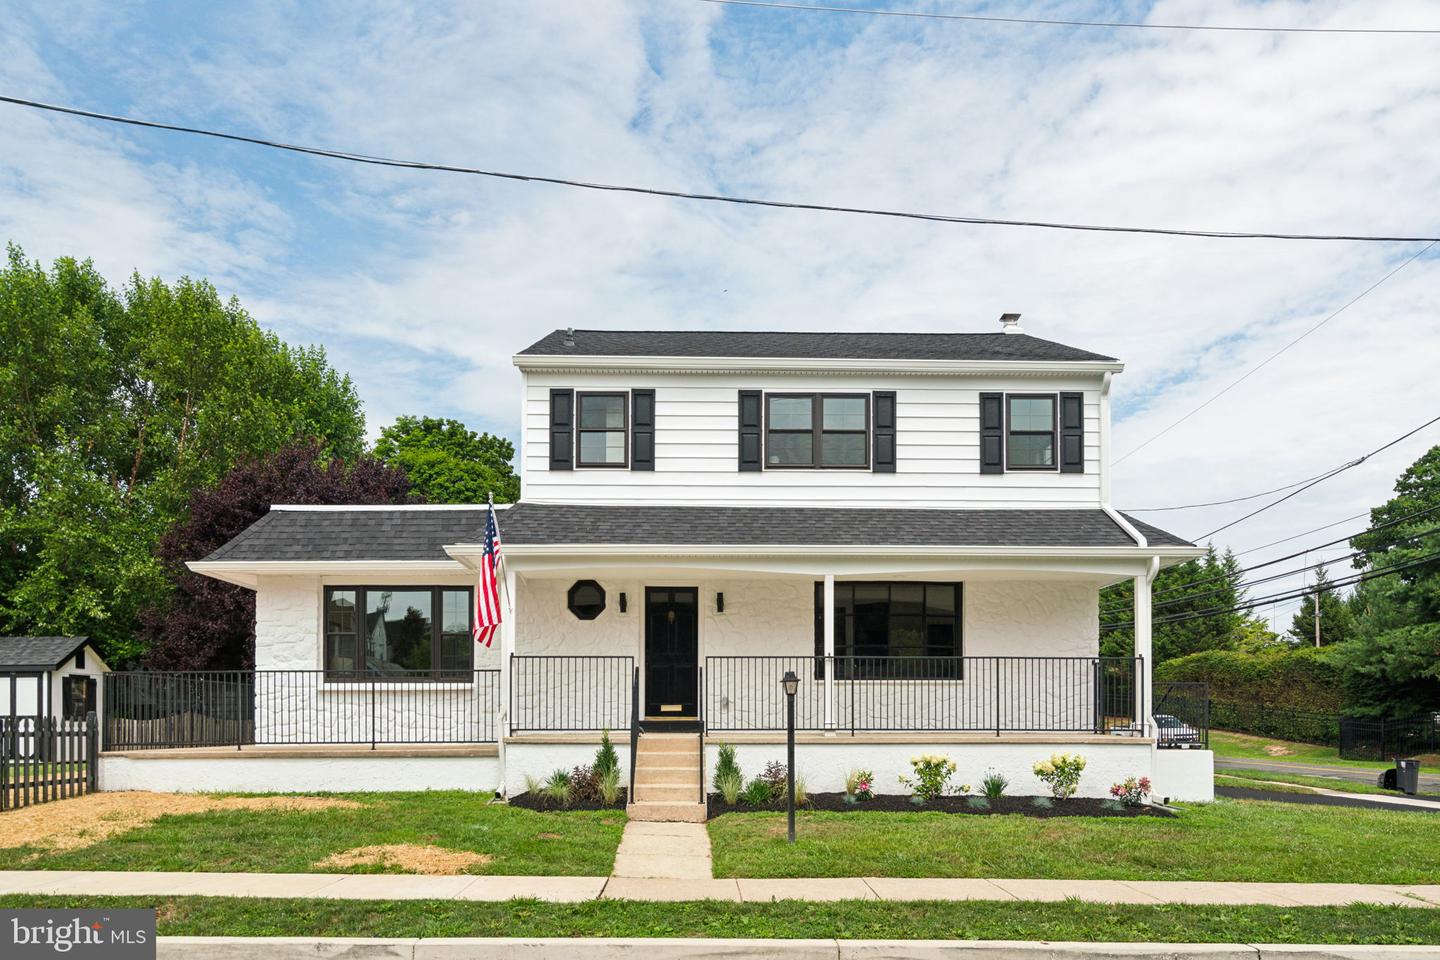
[[56, 677]]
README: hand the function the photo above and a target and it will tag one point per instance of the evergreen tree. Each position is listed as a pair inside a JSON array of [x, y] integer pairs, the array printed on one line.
[[1200, 595], [1336, 623]]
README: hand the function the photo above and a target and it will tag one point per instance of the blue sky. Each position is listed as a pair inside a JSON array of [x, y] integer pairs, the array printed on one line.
[[422, 285]]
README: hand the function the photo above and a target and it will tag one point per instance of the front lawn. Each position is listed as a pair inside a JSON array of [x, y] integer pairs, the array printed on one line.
[[1225, 840], [435, 831], [1245, 746], [854, 919], [1275, 779]]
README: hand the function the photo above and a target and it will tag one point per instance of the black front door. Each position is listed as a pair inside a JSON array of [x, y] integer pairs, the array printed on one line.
[[672, 652]]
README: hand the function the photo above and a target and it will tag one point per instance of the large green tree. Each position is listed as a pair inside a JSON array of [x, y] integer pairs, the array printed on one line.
[[1193, 610], [1336, 622], [114, 407], [449, 463], [1393, 663]]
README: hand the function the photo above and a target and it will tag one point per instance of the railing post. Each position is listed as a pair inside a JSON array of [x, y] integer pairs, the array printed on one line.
[[995, 668]]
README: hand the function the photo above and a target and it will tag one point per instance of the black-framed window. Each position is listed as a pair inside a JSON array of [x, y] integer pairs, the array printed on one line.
[[585, 599], [918, 623], [602, 430], [827, 430], [402, 633], [1030, 422]]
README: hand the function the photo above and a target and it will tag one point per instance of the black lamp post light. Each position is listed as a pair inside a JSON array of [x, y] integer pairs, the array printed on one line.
[[791, 683]]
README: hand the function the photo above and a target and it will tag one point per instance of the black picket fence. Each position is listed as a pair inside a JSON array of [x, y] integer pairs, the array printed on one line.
[[1260, 720], [43, 759], [1388, 739]]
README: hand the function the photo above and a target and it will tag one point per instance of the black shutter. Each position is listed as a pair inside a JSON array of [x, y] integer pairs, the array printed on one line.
[[1072, 433], [750, 427], [642, 429], [884, 461], [562, 429], [992, 433]]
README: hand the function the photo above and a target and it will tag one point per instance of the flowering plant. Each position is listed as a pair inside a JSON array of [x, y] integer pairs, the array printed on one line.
[[1130, 791], [860, 784], [932, 775], [1061, 773]]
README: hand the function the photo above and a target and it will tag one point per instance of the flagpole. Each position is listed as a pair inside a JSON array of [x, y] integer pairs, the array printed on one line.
[[500, 564]]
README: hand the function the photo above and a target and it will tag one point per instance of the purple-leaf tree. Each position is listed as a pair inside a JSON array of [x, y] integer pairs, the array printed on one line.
[[209, 624]]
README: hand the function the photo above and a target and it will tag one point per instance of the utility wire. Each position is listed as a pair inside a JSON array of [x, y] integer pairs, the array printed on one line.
[[1219, 503], [1320, 479], [1069, 23], [710, 197], [1256, 369], [1297, 536]]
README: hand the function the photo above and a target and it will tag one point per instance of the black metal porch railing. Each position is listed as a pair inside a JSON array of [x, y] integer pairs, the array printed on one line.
[[1182, 715], [233, 708], [943, 694], [570, 693]]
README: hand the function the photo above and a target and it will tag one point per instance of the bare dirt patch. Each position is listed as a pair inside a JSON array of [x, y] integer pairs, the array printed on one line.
[[82, 821], [1276, 750], [408, 857]]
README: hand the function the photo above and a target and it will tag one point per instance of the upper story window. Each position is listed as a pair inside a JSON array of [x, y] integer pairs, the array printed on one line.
[[817, 430], [1030, 432], [603, 430], [401, 633]]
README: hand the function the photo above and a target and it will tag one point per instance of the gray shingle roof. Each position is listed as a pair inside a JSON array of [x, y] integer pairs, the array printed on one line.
[[39, 653], [807, 346], [422, 534]]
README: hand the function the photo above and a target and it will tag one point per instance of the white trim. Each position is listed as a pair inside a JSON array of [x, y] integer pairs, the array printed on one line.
[[1126, 525], [531, 363], [1105, 439], [417, 507], [459, 550], [245, 573]]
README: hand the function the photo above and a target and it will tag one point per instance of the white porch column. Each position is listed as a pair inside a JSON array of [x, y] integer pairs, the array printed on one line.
[[828, 619], [1144, 647]]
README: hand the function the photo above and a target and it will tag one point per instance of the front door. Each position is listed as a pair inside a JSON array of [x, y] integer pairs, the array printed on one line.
[[672, 652]]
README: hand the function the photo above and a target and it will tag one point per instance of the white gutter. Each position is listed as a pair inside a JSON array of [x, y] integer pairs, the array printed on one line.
[[1129, 527], [817, 550], [541, 363]]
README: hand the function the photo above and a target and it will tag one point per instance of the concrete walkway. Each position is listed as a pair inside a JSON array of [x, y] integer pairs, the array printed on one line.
[[377, 886], [657, 850]]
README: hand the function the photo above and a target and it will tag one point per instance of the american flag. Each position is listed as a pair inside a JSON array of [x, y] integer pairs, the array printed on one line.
[[487, 594]]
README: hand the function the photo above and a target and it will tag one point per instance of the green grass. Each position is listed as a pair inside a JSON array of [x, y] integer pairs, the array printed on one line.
[[1244, 746], [1274, 779], [1221, 780], [855, 919], [1248, 840], [247, 841]]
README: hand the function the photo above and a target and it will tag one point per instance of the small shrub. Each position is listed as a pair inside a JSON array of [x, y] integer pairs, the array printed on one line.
[[726, 768], [932, 775], [533, 785], [1131, 791], [610, 786], [978, 803], [557, 788], [860, 784], [757, 793], [606, 758], [1061, 773], [729, 784], [993, 785], [1044, 803], [850, 799], [917, 800], [777, 777], [584, 785], [801, 796], [1115, 806]]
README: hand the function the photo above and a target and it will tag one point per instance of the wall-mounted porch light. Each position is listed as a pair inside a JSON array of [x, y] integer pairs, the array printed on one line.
[[623, 602], [719, 602]]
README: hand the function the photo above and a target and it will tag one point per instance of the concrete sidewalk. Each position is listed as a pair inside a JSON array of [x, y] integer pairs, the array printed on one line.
[[389, 886]]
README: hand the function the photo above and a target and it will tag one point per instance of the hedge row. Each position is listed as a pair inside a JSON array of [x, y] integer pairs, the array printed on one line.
[[1305, 679]]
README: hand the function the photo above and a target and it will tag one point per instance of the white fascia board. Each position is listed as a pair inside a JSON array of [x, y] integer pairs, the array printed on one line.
[[598, 364], [354, 507], [246, 573], [460, 550]]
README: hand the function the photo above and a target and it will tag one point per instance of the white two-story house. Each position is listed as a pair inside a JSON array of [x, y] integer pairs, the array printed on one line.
[[916, 525]]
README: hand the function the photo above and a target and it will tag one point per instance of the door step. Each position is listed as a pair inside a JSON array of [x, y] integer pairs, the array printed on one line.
[[658, 810], [667, 778]]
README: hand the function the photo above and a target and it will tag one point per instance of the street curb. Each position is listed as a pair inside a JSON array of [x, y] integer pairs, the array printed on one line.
[[657, 948]]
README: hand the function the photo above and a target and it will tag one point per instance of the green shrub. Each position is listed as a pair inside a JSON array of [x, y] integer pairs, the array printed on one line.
[[606, 758], [726, 768], [557, 788], [860, 784], [1044, 803], [932, 775], [610, 785], [1061, 773], [729, 784], [978, 803], [801, 796], [1304, 679], [993, 784], [757, 793]]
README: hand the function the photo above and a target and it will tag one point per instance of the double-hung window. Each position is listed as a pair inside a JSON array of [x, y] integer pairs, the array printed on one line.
[[401, 633], [893, 629], [1030, 432], [817, 430], [603, 430]]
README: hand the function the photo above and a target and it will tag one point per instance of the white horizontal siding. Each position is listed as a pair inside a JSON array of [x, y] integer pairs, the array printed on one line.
[[696, 430]]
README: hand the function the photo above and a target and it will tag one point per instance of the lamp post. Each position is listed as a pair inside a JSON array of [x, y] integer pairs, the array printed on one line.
[[791, 683]]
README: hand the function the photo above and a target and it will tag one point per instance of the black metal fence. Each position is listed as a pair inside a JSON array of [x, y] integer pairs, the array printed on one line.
[[43, 759], [1389, 739], [1182, 715], [876, 694], [570, 693], [1260, 720], [232, 708]]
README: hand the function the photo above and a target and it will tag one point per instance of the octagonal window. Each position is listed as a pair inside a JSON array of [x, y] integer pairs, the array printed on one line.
[[586, 599]]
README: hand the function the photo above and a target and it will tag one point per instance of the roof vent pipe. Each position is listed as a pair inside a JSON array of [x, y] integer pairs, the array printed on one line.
[[1010, 322], [569, 336]]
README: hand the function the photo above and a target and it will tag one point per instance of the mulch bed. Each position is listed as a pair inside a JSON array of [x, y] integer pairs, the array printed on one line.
[[535, 801], [1025, 806]]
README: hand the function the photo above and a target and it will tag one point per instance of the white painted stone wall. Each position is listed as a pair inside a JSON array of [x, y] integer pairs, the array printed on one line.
[[1184, 775], [242, 774], [825, 766], [539, 760]]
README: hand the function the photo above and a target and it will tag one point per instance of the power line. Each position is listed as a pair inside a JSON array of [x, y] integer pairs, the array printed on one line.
[[709, 197], [1219, 503], [1256, 369], [1320, 479], [1297, 536], [1070, 23]]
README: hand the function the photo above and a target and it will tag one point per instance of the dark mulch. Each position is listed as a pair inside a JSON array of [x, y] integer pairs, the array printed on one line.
[[1319, 799], [1025, 806], [535, 801]]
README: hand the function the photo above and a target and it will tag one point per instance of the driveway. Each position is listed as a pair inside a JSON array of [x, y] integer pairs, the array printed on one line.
[[1429, 782]]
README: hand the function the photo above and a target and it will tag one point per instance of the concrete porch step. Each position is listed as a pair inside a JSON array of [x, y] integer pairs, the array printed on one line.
[[670, 793], [666, 776], [652, 811]]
